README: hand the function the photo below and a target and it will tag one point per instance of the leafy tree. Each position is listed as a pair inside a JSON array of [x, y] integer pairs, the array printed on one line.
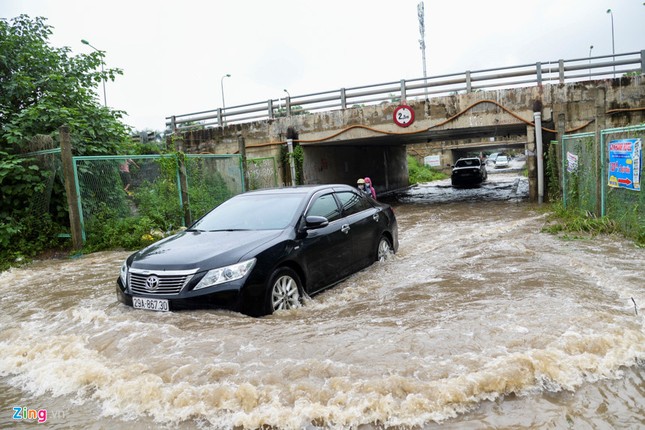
[[42, 88], [45, 87]]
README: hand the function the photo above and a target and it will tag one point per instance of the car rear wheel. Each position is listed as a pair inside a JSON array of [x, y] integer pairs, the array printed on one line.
[[384, 249], [283, 291]]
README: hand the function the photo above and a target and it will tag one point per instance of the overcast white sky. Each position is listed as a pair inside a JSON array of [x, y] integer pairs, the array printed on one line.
[[174, 54]]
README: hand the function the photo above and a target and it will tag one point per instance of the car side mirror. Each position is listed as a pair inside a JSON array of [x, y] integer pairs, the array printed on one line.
[[313, 222]]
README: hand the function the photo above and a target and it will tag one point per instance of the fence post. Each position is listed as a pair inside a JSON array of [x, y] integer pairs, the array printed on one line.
[[561, 155], [241, 143], [183, 185], [601, 123], [70, 188]]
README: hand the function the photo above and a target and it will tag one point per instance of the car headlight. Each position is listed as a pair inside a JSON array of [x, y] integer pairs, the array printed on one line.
[[124, 274], [226, 274]]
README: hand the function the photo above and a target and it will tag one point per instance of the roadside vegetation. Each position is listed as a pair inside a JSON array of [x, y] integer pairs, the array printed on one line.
[[419, 173], [43, 88], [571, 223]]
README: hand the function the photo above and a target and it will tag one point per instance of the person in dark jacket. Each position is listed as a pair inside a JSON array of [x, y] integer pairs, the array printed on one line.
[[360, 184]]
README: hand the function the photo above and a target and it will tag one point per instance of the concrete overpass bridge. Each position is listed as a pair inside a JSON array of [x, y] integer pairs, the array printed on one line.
[[374, 136]]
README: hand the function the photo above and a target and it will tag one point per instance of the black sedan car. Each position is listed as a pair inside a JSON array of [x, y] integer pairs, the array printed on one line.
[[262, 251], [468, 172]]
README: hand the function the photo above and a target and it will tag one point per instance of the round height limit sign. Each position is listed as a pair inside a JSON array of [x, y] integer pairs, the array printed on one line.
[[403, 115]]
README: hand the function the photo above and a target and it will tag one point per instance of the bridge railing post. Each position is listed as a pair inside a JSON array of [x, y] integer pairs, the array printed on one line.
[[220, 121], [343, 99], [270, 108], [538, 73], [404, 97], [643, 61], [469, 84], [561, 70]]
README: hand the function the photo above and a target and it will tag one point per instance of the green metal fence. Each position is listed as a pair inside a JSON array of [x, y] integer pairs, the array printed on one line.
[[586, 174], [624, 202], [580, 172], [166, 189], [211, 179], [117, 187]]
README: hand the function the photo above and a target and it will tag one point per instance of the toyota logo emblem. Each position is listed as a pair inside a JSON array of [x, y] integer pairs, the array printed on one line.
[[152, 283]]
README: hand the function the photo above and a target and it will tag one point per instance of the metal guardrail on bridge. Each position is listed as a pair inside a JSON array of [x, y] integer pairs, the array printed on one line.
[[560, 71]]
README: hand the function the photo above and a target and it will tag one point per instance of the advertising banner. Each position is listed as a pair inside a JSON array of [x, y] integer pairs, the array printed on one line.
[[625, 164]]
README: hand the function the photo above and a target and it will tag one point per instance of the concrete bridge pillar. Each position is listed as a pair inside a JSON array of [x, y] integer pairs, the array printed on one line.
[[531, 162]]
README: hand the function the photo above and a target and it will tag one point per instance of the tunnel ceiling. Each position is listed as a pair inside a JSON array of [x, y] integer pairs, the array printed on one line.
[[498, 132]]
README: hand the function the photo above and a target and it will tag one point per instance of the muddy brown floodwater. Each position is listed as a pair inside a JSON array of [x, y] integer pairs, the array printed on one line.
[[480, 321]]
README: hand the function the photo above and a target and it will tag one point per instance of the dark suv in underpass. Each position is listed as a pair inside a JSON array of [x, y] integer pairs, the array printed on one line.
[[468, 172]]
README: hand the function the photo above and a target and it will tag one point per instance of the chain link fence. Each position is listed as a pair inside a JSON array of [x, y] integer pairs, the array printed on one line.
[[623, 200], [168, 191], [580, 172], [589, 180], [49, 164], [211, 179]]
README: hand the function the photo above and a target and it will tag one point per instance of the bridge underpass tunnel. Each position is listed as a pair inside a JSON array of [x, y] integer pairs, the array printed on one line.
[[344, 163]]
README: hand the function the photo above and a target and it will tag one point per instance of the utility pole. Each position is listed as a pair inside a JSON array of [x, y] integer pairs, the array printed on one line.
[[422, 44], [613, 45]]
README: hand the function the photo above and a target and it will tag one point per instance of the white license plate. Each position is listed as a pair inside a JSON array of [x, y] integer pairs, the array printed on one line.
[[160, 305]]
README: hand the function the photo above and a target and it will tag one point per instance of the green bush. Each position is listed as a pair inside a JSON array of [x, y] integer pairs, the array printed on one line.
[[21, 240], [108, 231], [418, 173]]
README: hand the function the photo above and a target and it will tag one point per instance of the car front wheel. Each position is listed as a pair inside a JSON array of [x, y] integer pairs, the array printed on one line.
[[283, 290], [384, 249]]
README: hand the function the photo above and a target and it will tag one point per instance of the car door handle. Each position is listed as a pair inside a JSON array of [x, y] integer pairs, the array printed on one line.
[[375, 217], [345, 228]]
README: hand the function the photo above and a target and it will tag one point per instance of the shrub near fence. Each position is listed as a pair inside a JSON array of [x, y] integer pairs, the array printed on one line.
[[120, 209], [585, 184], [116, 207]]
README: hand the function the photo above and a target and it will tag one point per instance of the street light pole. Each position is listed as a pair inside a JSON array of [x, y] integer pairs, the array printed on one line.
[[85, 42], [222, 87], [613, 47], [590, 48], [422, 45]]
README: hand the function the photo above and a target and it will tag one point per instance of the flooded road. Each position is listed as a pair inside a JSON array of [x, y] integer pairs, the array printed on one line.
[[480, 321]]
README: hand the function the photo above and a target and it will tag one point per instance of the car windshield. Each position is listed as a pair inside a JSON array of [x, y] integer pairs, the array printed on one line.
[[471, 162], [251, 212]]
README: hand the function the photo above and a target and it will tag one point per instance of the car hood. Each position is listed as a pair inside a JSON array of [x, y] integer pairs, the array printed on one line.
[[201, 250], [465, 168]]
